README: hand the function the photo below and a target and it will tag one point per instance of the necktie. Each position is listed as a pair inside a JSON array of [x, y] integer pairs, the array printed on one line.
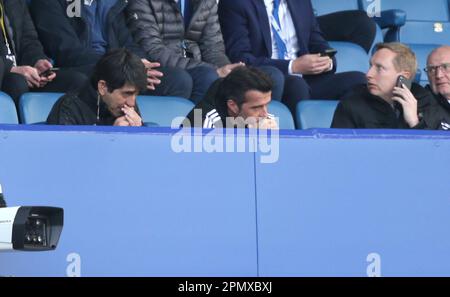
[[281, 46]]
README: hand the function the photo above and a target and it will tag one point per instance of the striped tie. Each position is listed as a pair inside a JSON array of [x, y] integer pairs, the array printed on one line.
[[281, 46]]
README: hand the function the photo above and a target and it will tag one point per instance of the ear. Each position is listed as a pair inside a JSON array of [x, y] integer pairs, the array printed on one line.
[[406, 74], [233, 108], [102, 88]]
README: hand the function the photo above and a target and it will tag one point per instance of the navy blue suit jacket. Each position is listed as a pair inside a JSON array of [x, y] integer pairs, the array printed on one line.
[[246, 31]]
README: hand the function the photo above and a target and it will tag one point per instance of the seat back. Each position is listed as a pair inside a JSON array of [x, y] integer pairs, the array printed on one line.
[[315, 113], [328, 6], [427, 26], [162, 110], [280, 111], [8, 113], [35, 107], [350, 57]]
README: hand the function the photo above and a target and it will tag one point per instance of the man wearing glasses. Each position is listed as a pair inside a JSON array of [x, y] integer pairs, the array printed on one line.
[[438, 71]]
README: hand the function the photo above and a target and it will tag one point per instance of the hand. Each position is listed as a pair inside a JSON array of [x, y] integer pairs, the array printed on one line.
[[132, 116], [409, 104], [43, 65], [121, 121], [268, 123], [31, 75], [152, 75], [261, 123], [311, 64], [225, 70]]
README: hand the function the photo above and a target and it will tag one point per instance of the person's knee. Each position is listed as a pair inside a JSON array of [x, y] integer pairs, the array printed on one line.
[[205, 74], [66, 81], [176, 82], [278, 79], [356, 77], [15, 85], [203, 77], [363, 22], [298, 86], [77, 80]]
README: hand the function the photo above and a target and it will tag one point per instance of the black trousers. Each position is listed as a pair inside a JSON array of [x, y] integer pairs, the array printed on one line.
[[175, 81], [332, 86], [350, 25]]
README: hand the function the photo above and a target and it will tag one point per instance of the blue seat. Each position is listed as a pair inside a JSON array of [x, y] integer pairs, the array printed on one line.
[[161, 111], [421, 26], [322, 7], [315, 113], [350, 57], [8, 113], [35, 107], [280, 111]]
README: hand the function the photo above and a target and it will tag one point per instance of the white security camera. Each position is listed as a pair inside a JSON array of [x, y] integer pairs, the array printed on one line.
[[30, 228]]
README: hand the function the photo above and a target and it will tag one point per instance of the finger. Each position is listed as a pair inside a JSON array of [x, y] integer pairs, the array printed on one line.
[[322, 63], [34, 82], [154, 73], [151, 87], [399, 100], [129, 119], [51, 77], [153, 64], [321, 68], [153, 81]]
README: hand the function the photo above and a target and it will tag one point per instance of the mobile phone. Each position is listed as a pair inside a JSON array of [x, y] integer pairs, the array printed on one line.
[[49, 72], [330, 52], [401, 80]]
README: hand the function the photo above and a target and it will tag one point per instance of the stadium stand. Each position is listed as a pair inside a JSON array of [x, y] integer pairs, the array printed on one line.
[[8, 113], [315, 113], [281, 111], [161, 111], [422, 27], [35, 107]]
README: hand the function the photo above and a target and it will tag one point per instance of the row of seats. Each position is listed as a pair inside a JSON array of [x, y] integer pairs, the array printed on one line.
[[421, 26], [160, 111]]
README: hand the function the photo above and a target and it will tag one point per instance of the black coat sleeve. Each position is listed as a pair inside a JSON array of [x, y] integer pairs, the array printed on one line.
[[59, 36], [30, 49]]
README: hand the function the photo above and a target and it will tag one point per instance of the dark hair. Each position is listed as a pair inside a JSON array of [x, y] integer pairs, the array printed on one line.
[[238, 82], [118, 68]]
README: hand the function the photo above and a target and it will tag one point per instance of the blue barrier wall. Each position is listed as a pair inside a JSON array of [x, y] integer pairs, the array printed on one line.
[[335, 203]]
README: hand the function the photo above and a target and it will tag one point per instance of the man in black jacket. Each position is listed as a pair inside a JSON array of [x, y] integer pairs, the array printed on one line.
[[78, 33], [239, 100], [109, 98], [386, 102], [23, 64], [438, 71]]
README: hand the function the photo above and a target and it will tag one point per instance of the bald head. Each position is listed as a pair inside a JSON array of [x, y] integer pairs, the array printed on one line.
[[438, 65]]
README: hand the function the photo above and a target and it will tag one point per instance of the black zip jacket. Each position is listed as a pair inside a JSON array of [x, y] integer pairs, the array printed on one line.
[[80, 108], [441, 112], [364, 110]]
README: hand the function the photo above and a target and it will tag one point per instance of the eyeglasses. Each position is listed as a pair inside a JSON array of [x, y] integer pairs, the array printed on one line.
[[433, 69]]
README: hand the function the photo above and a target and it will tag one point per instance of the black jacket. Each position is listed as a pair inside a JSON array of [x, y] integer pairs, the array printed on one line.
[[363, 110], [80, 108], [441, 112], [26, 45], [158, 27], [210, 107], [68, 40]]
